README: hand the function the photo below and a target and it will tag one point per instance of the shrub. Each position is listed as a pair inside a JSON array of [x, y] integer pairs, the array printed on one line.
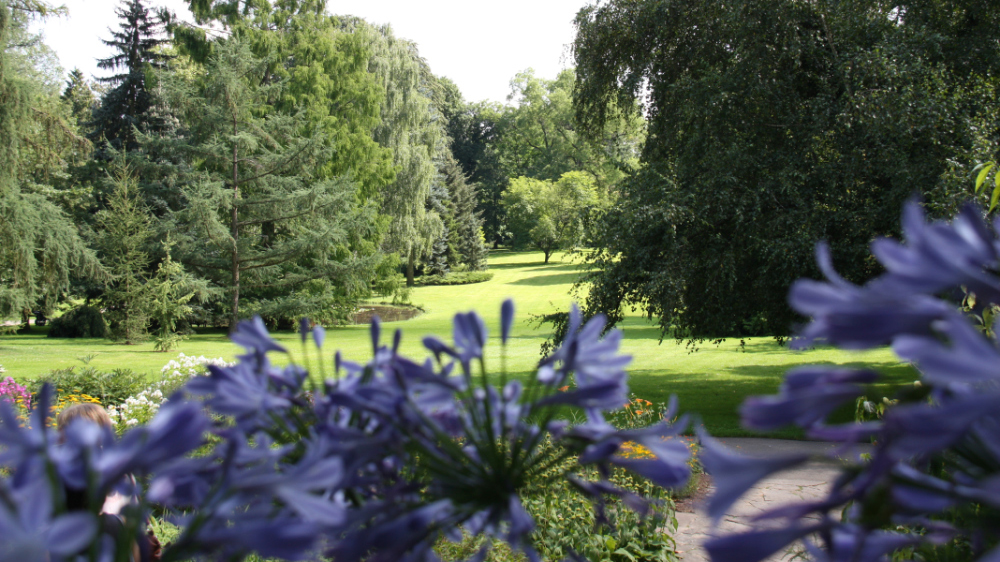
[[81, 322], [143, 406], [455, 278], [109, 387]]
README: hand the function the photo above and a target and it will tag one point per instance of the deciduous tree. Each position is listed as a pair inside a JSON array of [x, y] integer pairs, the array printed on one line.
[[549, 214], [773, 124]]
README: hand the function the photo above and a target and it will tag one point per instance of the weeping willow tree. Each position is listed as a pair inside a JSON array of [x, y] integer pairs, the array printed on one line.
[[40, 248], [412, 129]]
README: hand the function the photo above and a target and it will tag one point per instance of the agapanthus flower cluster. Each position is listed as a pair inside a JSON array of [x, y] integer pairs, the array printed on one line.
[[378, 461], [936, 452]]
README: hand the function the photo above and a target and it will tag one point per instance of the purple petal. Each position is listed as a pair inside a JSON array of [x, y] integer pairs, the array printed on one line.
[[303, 328], [71, 533], [506, 319], [755, 545], [253, 335], [319, 335], [734, 474]]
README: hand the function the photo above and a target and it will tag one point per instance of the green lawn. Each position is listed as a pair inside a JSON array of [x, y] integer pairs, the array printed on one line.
[[712, 381]]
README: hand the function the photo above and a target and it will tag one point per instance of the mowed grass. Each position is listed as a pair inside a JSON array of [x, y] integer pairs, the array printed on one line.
[[711, 382]]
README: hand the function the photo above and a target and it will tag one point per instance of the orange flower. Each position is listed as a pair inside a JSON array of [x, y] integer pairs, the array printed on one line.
[[564, 389], [639, 412]]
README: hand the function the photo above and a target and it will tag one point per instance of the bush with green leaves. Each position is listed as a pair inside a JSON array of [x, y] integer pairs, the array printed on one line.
[[110, 387], [81, 322]]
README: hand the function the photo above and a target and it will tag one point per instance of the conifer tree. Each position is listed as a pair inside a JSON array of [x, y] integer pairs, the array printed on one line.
[[260, 217], [468, 222], [79, 96], [170, 290], [123, 231], [40, 249], [125, 107]]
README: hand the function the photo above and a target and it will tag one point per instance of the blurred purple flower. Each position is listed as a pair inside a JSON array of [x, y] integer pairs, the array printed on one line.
[[506, 319], [253, 336], [807, 396]]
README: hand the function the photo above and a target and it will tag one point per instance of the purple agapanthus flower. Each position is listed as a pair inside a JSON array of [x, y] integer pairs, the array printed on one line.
[[377, 463], [937, 448]]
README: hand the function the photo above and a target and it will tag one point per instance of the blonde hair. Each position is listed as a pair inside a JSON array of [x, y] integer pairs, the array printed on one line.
[[92, 412]]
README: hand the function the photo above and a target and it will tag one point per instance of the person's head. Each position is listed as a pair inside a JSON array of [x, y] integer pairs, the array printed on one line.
[[92, 412]]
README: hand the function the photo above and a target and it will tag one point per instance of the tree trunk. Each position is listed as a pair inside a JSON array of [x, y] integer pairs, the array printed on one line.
[[410, 265], [235, 232], [547, 254]]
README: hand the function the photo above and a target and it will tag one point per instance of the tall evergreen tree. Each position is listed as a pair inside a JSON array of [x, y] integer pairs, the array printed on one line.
[[123, 230], [79, 96], [468, 224], [325, 65], [125, 107], [259, 217], [40, 249]]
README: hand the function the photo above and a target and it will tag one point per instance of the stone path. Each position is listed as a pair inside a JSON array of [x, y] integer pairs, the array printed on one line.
[[809, 481]]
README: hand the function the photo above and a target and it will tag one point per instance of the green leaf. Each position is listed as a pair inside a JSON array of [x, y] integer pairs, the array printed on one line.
[[625, 553], [982, 175], [993, 200], [611, 543]]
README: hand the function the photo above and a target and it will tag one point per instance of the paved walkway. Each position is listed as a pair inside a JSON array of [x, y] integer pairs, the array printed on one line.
[[808, 481]]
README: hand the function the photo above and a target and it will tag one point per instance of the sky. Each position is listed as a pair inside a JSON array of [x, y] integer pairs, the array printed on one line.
[[479, 44]]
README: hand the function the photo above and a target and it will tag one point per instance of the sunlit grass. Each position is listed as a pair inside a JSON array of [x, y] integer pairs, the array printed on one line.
[[712, 381]]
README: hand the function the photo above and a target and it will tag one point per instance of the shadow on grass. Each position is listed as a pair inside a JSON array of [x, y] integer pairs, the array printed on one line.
[[531, 266], [543, 280]]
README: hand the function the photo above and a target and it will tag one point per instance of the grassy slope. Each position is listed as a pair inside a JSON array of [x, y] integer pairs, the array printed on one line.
[[712, 381]]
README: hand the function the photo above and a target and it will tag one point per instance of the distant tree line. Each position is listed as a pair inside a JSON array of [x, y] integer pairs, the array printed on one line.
[[274, 160]]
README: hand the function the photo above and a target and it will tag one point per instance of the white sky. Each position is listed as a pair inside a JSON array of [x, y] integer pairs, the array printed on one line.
[[478, 44]]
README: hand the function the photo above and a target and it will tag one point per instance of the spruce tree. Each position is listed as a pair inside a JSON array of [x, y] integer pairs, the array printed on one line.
[[123, 230], [468, 222], [126, 106], [79, 96]]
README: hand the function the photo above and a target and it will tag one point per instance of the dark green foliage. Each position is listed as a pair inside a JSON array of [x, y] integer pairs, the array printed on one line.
[[40, 248], [455, 278], [126, 106], [123, 230], [473, 131], [110, 387], [261, 220], [437, 264], [773, 124], [467, 226], [81, 322]]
